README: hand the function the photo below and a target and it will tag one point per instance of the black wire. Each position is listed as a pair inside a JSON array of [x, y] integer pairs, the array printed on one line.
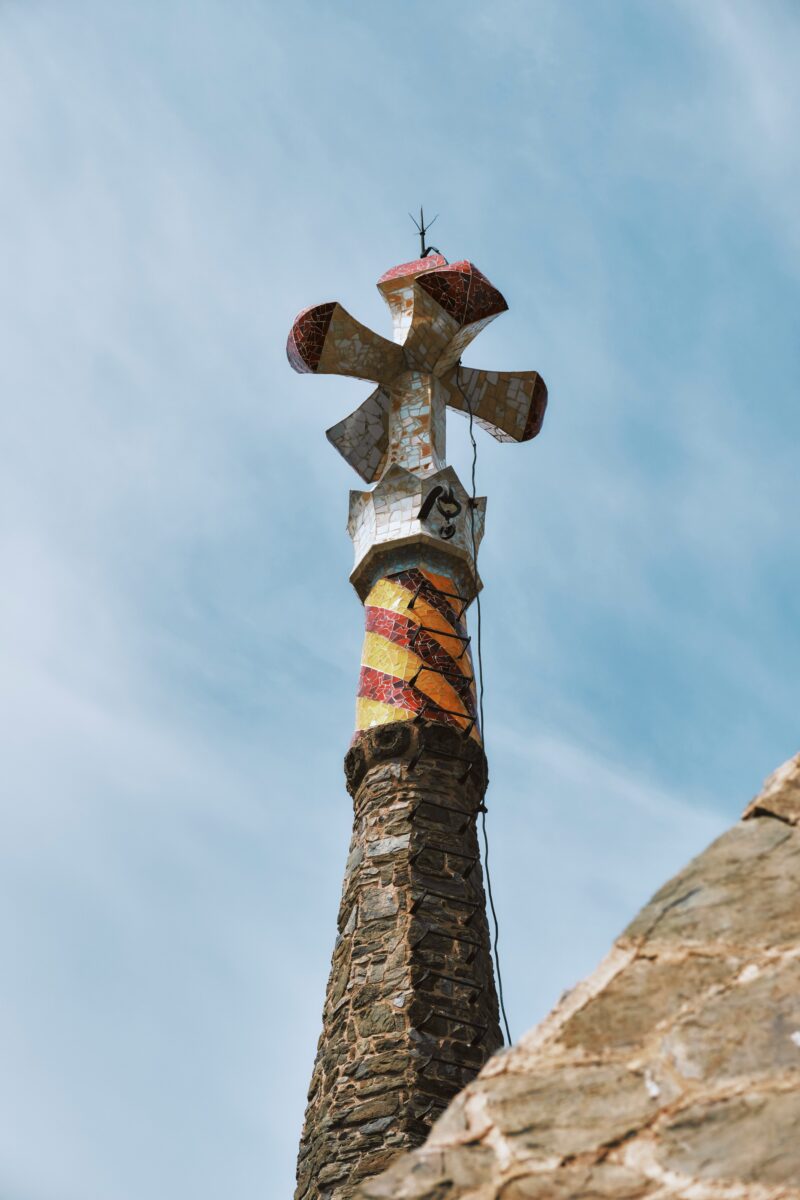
[[473, 501]]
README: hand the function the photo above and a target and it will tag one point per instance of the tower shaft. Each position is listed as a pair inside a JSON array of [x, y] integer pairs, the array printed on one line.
[[411, 1010]]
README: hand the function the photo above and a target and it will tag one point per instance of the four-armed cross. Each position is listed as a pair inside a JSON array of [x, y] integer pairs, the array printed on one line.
[[416, 532], [437, 309]]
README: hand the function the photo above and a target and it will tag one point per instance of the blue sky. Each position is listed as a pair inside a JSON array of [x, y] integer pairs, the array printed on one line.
[[180, 642]]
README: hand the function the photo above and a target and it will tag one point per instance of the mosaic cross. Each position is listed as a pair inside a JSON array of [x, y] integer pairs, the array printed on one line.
[[417, 523], [437, 309]]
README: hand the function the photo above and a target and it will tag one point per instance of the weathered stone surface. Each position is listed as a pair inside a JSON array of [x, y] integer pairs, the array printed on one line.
[[764, 1010], [411, 1011], [742, 890], [638, 999], [672, 1072], [780, 796], [746, 1138], [599, 1181]]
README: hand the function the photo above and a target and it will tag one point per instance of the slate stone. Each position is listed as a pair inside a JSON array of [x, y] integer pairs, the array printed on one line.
[[637, 1000], [745, 1139]]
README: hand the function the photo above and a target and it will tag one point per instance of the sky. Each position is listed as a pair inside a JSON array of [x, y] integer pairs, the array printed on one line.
[[180, 643]]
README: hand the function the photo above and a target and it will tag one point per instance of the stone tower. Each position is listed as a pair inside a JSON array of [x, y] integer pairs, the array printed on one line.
[[411, 1010]]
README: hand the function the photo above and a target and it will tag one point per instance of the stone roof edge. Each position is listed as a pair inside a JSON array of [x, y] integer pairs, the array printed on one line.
[[467, 1123], [779, 798], [780, 795]]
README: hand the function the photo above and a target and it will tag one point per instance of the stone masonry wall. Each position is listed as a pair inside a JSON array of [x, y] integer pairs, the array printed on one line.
[[411, 1011]]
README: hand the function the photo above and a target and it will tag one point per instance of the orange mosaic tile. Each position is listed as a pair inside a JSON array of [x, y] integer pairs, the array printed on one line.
[[416, 653]]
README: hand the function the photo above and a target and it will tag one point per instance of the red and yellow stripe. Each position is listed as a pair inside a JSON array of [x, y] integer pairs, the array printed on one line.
[[416, 660]]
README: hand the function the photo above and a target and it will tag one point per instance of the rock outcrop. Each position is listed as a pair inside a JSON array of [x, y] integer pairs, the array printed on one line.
[[672, 1071]]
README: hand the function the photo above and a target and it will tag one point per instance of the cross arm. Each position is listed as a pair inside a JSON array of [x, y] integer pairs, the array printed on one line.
[[362, 439], [326, 340], [508, 404]]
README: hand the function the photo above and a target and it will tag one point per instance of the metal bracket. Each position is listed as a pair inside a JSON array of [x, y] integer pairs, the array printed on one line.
[[430, 706], [464, 638], [447, 595], [470, 985], [471, 955], [470, 859], [469, 816], [481, 1027]]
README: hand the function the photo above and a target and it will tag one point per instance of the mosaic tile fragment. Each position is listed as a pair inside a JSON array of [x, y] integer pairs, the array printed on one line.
[[464, 292], [417, 651]]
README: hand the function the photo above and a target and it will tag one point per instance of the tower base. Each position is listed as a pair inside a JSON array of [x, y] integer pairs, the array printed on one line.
[[411, 1011]]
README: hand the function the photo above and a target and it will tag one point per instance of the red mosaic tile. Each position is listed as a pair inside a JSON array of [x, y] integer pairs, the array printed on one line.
[[413, 580], [375, 685], [463, 292], [413, 268], [307, 337], [402, 632], [536, 414]]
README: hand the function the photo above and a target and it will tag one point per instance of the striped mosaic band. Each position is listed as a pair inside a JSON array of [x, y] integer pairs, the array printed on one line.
[[416, 659]]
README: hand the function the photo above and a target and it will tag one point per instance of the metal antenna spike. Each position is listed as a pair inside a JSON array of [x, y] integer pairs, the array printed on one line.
[[422, 230]]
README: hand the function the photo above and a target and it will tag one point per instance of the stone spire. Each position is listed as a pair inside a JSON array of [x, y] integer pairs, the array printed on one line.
[[411, 1011]]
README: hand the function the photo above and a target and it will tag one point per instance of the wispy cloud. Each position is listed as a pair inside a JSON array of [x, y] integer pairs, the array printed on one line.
[[751, 97], [180, 642]]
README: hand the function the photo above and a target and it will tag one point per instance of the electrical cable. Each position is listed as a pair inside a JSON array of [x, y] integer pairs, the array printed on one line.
[[473, 502]]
